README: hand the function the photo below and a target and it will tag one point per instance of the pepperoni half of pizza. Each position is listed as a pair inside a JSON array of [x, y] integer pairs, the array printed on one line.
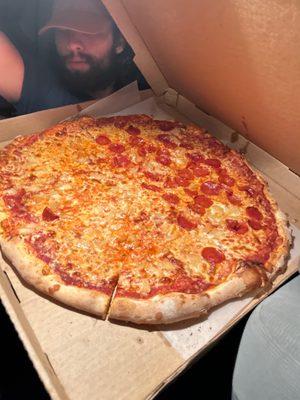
[[139, 219]]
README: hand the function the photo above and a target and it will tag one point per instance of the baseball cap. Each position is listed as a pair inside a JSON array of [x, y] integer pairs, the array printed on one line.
[[87, 16]]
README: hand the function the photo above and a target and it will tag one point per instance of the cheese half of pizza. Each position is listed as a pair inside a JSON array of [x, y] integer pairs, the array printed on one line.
[[139, 219]]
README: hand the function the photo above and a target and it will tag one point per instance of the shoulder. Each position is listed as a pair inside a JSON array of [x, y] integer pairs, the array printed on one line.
[[11, 70]]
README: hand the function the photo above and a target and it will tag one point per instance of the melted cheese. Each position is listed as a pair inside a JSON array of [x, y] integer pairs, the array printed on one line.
[[109, 224]]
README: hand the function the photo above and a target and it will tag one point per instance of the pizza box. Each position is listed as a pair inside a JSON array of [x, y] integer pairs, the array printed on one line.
[[206, 62]]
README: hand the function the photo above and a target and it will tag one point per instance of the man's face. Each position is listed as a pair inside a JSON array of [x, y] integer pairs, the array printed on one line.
[[87, 60]]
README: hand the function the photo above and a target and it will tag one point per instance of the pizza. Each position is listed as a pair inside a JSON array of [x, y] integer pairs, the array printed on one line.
[[137, 219]]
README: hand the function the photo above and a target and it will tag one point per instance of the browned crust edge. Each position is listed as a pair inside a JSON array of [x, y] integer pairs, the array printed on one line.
[[30, 269], [173, 307]]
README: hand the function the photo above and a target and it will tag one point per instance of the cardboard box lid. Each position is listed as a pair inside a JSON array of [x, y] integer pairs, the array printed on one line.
[[238, 61]]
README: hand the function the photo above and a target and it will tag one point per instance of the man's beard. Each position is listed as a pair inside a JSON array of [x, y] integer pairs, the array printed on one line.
[[101, 74]]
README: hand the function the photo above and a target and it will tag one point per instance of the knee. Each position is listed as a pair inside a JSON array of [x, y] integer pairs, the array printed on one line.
[[268, 361]]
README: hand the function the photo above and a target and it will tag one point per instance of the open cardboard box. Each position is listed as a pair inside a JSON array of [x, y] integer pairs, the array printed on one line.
[[195, 56]]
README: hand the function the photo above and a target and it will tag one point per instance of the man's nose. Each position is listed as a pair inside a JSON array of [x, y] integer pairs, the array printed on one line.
[[75, 45]]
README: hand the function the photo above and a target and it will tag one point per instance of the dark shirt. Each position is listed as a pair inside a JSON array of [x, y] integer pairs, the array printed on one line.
[[41, 88]]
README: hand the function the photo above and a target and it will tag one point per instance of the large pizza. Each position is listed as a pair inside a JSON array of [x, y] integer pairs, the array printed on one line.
[[139, 219]]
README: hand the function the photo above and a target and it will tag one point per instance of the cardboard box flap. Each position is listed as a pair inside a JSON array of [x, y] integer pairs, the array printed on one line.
[[238, 61]]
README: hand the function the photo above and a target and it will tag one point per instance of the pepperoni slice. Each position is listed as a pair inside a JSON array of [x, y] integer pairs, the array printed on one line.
[[29, 140], [249, 190], [236, 201], [121, 161], [14, 200], [184, 177], [217, 146], [135, 140], [100, 122], [185, 223], [222, 171], [117, 148], [166, 125], [48, 215], [154, 188], [39, 244], [196, 157], [166, 140], [190, 192], [16, 204], [150, 148], [226, 180], [185, 173], [18, 152], [163, 159], [145, 149], [213, 162], [120, 124], [273, 237], [212, 255], [200, 171], [171, 198], [236, 226], [103, 140], [256, 225], [142, 151], [163, 151], [210, 188], [152, 177], [187, 145], [254, 213], [197, 208], [170, 183], [203, 201], [199, 137], [182, 181], [133, 130], [170, 145], [101, 160]]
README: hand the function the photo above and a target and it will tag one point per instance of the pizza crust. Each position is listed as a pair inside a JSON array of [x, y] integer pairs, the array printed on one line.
[[173, 307], [30, 268]]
